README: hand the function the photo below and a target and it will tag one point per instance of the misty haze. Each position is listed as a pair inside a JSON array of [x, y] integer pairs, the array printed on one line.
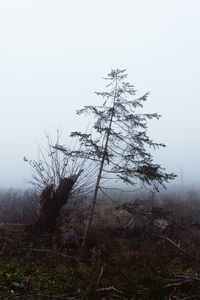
[[100, 168]]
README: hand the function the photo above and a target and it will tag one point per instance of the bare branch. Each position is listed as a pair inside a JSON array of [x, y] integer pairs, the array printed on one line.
[[177, 246], [100, 275]]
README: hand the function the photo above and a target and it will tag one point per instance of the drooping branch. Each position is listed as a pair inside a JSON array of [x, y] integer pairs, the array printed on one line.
[[120, 143]]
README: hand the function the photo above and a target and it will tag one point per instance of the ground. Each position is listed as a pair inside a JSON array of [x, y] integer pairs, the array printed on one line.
[[115, 264]]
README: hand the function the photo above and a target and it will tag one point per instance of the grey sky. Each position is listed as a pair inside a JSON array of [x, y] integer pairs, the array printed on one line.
[[53, 55]]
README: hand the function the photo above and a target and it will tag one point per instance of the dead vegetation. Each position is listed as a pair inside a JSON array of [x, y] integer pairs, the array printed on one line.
[[129, 254]]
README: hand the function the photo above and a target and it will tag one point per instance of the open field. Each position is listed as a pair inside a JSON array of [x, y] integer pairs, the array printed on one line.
[[119, 262]]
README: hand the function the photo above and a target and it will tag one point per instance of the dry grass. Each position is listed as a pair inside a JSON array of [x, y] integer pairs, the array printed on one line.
[[117, 262]]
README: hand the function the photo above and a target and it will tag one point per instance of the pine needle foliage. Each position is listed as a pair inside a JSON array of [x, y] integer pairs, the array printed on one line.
[[120, 142], [126, 151]]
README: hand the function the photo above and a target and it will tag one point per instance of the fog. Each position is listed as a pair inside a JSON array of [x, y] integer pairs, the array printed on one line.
[[53, 55]]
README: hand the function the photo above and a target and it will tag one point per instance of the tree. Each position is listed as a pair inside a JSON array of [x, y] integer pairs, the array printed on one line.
[[54, 163], [59, 177], [120, 143]]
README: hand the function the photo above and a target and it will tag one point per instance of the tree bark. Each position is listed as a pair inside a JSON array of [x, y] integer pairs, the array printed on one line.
[[51, 204], [105, 149]]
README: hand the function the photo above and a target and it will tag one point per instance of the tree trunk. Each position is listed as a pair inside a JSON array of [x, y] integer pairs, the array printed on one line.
[[51, 204], [105, 149]]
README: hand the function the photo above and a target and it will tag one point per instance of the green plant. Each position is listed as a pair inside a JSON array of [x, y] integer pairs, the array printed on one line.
[[120, 141]]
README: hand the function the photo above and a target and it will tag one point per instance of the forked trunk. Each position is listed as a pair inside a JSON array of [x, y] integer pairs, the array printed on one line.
[[51, 205]]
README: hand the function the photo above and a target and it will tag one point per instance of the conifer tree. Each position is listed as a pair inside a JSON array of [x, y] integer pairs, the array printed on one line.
[[120, 143]]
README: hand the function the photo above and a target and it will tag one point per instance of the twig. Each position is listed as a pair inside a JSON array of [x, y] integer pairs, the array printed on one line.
[[53, 296], [177, 246], [121, 190], [49, 251], [183, 279], [108, 289], [106, 194], [103, 246], [3, 248], [4, 288], [6, 238], [177, 283], [118, 296], [101, 273], [129, 223]]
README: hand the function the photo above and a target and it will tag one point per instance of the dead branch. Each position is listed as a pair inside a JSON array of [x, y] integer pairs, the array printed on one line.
[[122, 190], [106, 194], [129, 223], [177, 283], [181, 279], [6, 238], [54, 296], [177, 246], [103, 246], [108, 289], [49, 251], [101, 273], [118, 296], [4, 288], [3, 248]]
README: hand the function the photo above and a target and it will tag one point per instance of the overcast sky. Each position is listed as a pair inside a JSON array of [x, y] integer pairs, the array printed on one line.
[[53, 55]]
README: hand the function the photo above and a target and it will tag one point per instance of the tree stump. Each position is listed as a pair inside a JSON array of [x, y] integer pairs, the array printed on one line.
[[51, 204]]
